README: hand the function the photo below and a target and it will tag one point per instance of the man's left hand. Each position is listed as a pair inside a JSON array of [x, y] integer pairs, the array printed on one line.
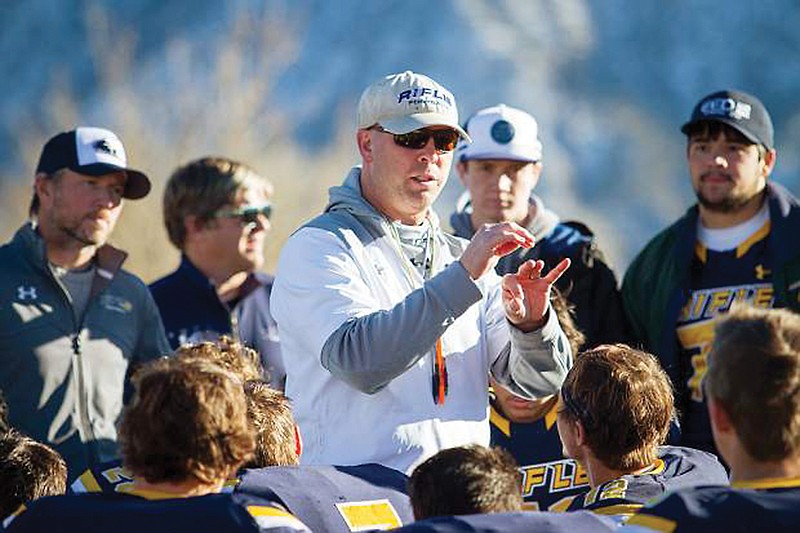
[[526, 294]]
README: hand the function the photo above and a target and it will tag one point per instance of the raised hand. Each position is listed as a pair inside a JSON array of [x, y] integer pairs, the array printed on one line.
[[526, 294], [490, 243]]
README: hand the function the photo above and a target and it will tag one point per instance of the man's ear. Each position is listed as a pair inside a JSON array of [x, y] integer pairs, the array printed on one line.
[[43, 186], [364, 142], [580, 433], [193, 225], [719, 417], [769, 162]]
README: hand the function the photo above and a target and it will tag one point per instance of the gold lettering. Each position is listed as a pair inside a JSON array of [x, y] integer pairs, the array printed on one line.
[[532, 477]]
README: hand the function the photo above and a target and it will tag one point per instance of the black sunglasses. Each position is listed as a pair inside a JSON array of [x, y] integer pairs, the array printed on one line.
[[246, 215], [444, 140]]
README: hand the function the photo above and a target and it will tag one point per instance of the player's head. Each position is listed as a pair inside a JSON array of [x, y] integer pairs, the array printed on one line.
[[466, 480], [617, 405], [502, 164], [233, 356], [187, 421], [522, 410], [753, 378], [219, 209], [28, 470], [407, 131], [730, 150], [277, 436]]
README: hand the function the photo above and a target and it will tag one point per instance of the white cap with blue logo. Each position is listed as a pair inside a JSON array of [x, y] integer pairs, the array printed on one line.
[[501, 132], [407, 101]]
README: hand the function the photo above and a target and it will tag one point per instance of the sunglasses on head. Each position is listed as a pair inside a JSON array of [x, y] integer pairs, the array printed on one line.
[[247, 214], [444, 140]]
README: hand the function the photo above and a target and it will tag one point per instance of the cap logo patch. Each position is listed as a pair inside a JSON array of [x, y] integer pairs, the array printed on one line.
[[422, 95], [502, 132], [727, 107], [104, 146]]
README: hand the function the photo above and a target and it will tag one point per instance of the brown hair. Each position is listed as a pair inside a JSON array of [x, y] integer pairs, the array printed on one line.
[[28, 470], [233, 356], [187, 419], [754, 373], [201, 188], [623, 399], [711, 129], [33, 207], [270, 414], [466, 480]]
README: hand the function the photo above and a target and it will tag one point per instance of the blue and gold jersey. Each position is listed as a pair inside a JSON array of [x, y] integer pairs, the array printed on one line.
[[718, 279], [676, 468], [152, 513], [327, 498], [111, 476], [766, 505], [334, 498], [548, 479], [520, 522]]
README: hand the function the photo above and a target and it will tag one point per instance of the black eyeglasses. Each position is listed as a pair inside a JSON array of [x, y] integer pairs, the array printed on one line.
[[247, 214], [444, 140]]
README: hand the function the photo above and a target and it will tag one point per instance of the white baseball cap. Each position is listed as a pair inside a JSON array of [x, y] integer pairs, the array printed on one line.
[[501, 132], [404, 102]]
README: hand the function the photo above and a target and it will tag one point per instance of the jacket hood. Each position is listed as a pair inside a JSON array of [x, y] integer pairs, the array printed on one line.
[[541, 224]]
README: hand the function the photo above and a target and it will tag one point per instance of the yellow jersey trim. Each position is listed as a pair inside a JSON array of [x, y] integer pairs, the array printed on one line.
[[626, 509], [653, 522], [701, 252], [762, 232], [499, 421], [767, 483], [551, 416]]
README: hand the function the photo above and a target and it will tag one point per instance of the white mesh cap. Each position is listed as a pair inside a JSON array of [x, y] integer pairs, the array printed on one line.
[[501, 132], [404, 102]]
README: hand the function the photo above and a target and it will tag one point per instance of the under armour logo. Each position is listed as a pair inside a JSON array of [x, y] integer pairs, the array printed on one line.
[[26, 293], [104, 146], [762, 272]]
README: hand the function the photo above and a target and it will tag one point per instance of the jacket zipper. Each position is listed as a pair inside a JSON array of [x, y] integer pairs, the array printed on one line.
[[85, 429]]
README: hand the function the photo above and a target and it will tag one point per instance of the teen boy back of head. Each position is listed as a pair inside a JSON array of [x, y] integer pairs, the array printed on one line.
[[753, 390]]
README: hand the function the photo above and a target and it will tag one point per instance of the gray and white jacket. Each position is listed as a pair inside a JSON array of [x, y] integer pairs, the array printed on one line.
[[63, 375], [358, 331]]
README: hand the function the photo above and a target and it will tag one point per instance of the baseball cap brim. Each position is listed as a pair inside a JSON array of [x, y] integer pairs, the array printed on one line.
[[728, 122], [509, 155], [409, 123], [137, 184]]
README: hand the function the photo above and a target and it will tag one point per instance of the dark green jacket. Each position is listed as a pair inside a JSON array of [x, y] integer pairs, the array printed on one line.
[[656, 285], [64, 376]]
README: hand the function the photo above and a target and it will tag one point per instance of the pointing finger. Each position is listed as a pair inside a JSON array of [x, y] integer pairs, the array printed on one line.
[[557, 271]]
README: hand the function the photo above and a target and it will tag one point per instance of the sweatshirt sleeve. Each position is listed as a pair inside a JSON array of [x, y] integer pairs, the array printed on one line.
[[405, 333], [534, 365]]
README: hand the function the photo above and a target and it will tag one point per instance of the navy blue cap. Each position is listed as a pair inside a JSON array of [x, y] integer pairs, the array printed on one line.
[[739, 110]]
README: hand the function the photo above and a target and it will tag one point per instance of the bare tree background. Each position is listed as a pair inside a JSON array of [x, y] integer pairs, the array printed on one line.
[[204, 105]]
